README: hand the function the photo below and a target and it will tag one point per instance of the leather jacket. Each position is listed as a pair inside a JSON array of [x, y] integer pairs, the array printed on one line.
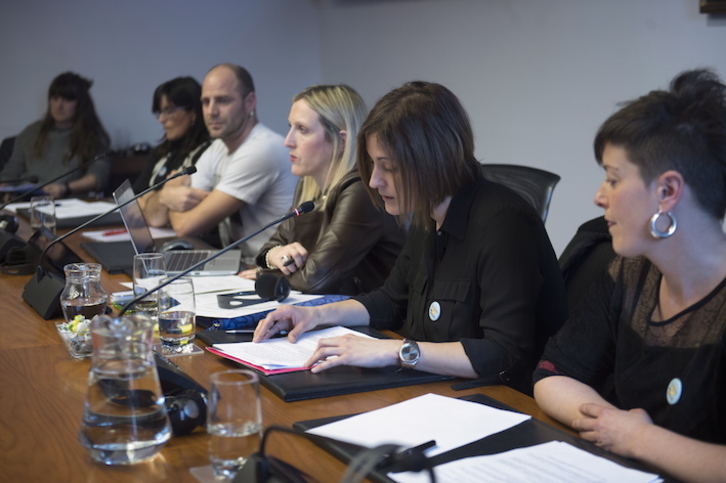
[[351, 244]]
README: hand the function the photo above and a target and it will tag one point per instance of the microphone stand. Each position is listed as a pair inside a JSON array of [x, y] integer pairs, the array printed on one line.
[[306, 207], [43, 290]]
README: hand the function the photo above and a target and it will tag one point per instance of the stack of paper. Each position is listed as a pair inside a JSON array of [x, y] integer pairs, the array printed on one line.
[[275, 356]]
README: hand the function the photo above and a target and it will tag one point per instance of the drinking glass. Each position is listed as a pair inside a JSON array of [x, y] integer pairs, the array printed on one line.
[[177, 316], [234, 420], [149, 270], [42, 212]]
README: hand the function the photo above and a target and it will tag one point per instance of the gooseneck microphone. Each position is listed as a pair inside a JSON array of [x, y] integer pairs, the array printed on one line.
[[105, 155], [43, 290], [306, 207]]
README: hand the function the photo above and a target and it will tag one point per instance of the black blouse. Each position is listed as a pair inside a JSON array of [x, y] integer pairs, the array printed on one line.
[[674, 369], [494, 285]]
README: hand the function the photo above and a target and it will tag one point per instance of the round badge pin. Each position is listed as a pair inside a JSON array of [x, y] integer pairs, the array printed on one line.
[[674, 391], [434, 311]]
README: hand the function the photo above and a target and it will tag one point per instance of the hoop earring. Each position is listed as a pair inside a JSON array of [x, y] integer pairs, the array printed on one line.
[[657, 234]]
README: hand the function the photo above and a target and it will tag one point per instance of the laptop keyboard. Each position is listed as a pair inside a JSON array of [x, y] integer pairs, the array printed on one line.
[[176, 261]]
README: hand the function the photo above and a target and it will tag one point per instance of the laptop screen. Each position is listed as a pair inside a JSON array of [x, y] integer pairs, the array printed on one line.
[[134, 219]]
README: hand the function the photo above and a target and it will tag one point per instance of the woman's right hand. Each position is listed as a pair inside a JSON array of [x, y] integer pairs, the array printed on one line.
[[293, 254], [294, 319]]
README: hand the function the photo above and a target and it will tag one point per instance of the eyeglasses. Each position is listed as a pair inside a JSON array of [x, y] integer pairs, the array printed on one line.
[[167, 111]]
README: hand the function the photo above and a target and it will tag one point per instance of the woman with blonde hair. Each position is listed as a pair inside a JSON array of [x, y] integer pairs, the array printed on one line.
[[346, 245]]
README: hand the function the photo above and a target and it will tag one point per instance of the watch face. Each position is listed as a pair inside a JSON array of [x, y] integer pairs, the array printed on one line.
[[409, 352]]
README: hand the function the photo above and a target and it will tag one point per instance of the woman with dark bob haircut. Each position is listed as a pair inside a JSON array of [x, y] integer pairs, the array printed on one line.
[[177, 106], [68, 136], [640, 367], [476, 290]]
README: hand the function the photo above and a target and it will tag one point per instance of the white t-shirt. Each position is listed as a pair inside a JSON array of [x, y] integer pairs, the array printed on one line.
[[258, 173]]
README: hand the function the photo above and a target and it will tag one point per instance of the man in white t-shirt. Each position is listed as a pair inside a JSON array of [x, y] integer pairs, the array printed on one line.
[[243, 180]]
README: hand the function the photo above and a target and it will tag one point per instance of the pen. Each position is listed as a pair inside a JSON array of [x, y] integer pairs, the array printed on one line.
[[422, 447], [249, 331], [114, 232]]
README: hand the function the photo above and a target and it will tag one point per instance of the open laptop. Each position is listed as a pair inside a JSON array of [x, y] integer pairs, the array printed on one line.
[[142, 242]]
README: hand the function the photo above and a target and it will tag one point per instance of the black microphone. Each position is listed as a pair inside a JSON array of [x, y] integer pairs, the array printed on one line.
[[23, 179], [306, 207], [70, 171], [44, 289]]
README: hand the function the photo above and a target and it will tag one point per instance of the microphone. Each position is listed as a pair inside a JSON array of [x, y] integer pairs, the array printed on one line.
[[306, 207], [51, 181], [43, 290], [23, 179]]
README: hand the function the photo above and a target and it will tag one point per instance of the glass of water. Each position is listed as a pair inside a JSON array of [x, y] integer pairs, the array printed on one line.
[[149, 270], [234, 420], [177, 316], [42, 213]]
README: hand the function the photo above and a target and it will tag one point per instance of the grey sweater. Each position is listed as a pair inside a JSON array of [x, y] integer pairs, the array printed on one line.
[[23, 163]]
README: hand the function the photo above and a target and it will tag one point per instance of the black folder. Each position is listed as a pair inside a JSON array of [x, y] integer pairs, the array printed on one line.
[[116, 257], [297, 386], [529, 433]]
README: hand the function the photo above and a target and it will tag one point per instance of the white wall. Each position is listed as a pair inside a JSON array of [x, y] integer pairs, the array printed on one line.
[[537, 76], [129, 47]]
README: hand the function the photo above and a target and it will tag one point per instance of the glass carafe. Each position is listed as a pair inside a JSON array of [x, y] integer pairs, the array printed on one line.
[[83, 293], [125, 419]]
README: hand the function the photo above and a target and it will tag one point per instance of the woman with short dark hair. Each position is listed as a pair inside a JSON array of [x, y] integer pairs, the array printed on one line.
[[476, 290], [640, 367]]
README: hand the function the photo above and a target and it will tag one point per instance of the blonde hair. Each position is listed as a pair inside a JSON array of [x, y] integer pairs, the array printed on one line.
[[340, 108]]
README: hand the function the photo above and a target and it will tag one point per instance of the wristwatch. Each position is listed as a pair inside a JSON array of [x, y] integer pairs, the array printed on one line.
[[409, 353]]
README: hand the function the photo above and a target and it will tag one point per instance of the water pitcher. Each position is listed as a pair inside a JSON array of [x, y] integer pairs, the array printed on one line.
[[83, 293], [125, 419]]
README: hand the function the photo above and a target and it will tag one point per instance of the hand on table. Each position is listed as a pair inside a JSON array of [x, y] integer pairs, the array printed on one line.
[[352, 350], [611, 429], [296, 320]]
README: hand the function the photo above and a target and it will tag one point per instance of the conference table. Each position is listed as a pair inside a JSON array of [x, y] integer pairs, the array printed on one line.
[[42, 392]]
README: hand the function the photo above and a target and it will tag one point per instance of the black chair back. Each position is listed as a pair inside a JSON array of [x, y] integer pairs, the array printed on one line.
[[533, 184]]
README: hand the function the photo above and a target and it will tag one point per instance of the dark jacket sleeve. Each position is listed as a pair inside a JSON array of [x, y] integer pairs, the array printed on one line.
[[338, 237]]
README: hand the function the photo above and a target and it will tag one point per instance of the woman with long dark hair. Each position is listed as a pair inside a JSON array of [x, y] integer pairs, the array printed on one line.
[[69, 136]]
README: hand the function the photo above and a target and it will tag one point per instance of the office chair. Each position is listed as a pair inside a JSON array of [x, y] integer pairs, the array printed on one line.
[[532, 184], [6, 149]]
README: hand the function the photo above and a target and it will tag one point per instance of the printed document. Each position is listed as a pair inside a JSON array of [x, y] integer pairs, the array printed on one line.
[[552, 462]]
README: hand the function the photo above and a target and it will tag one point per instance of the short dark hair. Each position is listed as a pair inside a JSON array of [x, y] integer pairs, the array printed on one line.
[[426, 132], [184, 92], [244, 78], [683, 128]]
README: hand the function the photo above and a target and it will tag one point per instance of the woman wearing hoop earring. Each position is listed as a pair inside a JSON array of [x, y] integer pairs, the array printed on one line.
[[640, 367]]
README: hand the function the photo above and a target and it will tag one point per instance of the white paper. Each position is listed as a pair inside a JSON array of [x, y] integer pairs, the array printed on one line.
[[206, 290], [280, 353], [552, 462], [71, 208], [448, 421]]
